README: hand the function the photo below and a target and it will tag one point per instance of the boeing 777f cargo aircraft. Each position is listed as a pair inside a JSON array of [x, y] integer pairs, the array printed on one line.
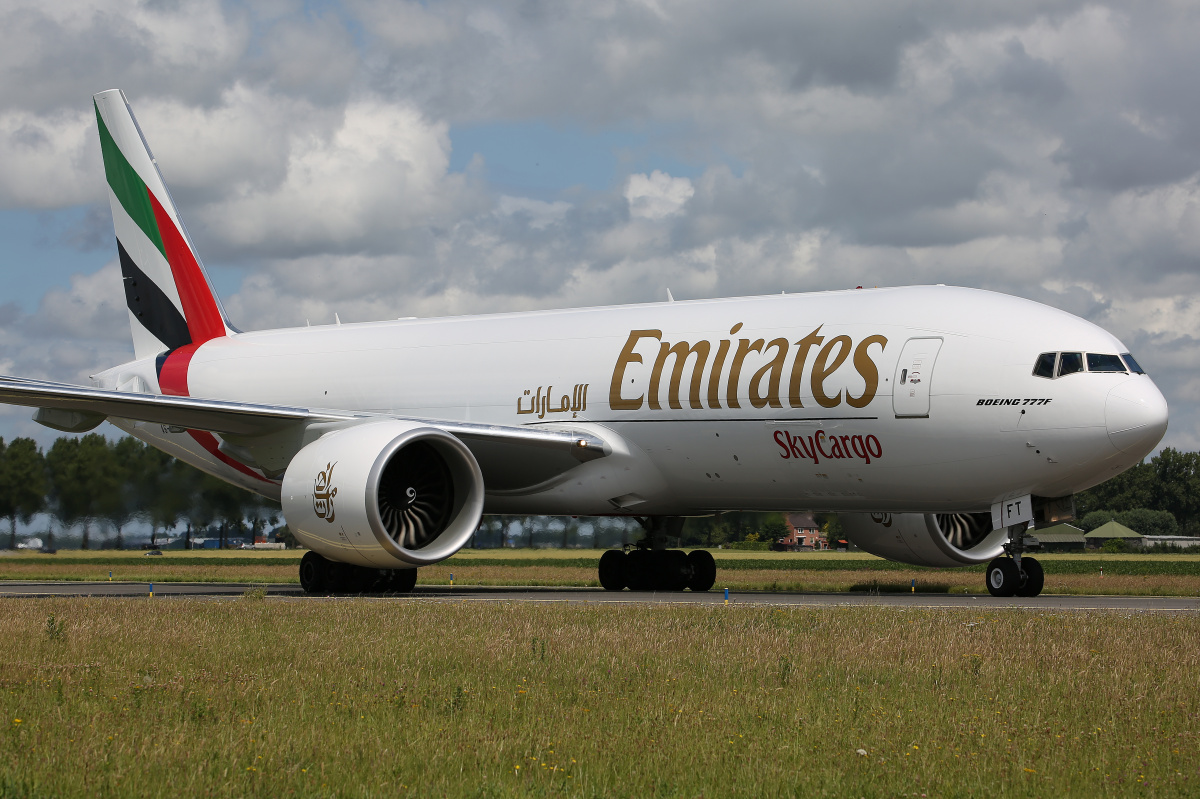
[[942, 424]]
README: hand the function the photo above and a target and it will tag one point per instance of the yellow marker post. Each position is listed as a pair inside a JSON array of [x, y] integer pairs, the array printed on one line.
[[151, 589], [726, 596], [451, 578], [110, 576]]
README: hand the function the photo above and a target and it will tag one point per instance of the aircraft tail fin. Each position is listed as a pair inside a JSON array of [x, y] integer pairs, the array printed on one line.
[[171, 301]]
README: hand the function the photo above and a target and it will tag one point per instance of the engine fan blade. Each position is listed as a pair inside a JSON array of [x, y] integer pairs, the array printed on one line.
[[416, 495]]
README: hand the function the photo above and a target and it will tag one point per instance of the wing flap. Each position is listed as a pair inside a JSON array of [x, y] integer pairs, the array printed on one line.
[[216, 416], [511, 458]]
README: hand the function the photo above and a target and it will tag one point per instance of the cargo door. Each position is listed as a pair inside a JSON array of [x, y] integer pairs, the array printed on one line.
[[914, 374]]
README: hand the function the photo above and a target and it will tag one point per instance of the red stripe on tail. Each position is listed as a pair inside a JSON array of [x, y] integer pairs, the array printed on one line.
[[199, 306], [210, 443], [172, 377], [172, 380]]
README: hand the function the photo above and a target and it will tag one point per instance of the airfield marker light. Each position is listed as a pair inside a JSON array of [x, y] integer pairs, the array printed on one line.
[[726, 596], [914, 585], [110, 575], [151, 589], [451, 578]]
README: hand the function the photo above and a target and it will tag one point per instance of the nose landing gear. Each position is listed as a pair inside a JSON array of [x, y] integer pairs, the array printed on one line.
[[1015, 574], [653, 567]]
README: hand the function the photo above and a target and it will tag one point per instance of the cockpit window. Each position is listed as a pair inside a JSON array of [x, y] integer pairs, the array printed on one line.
[[1069, 363], [1132, 364], [1104, 363]]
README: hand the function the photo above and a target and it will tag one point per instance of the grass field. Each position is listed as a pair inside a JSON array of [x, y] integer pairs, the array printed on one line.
[[369, 698], [1170, 575]]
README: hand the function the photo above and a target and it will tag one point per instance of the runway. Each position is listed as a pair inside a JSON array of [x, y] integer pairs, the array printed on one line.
[[291, 591]]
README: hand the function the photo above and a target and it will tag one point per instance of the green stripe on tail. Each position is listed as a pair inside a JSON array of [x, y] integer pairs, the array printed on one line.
[[128, 186]]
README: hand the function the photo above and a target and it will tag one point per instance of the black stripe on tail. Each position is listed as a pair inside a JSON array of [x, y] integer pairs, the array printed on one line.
[[151, 306]]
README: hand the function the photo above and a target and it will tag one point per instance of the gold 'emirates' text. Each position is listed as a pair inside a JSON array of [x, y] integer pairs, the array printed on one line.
[[766, 384]]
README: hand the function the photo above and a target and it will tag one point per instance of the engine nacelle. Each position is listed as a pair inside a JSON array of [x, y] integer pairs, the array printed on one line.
[[926, 539], [385, 494]]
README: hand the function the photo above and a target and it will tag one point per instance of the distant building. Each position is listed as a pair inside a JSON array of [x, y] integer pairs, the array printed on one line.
[[1177, 541], [1061, 538], [803, 533], [1107, 532]]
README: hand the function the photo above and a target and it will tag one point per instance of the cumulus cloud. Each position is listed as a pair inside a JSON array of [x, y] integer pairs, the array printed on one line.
[[657, 195], [50, 160]]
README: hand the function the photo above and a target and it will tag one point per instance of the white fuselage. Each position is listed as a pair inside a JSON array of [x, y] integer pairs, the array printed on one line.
[[902, 399]]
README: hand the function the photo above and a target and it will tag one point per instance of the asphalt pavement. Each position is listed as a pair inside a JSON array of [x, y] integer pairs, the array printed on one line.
[[597, 595]]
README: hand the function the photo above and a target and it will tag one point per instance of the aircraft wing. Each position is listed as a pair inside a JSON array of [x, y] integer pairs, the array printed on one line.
[[72, 408]]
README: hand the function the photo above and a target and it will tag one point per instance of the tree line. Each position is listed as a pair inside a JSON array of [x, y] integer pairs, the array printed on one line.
[[89, 481], [96, 484], [1158, 497]]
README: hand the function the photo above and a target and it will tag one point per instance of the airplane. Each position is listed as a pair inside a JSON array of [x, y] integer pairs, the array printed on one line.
[[943, 425]]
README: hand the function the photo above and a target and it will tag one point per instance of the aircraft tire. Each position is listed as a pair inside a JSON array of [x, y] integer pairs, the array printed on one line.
[[612, 570], [704, 570], [346, 578], [314, 573], [674, 571], [361, 580], [402, 581], [1035, 578], [641, 570], [1002, 577]]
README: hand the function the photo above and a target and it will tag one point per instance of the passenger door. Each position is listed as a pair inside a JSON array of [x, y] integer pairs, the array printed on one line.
[[914, 374]]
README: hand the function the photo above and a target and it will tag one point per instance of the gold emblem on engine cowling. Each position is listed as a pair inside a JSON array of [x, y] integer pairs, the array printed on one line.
[[323, 494]]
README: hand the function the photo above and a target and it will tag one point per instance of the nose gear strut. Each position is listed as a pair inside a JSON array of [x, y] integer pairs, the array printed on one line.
[[1014, 573]]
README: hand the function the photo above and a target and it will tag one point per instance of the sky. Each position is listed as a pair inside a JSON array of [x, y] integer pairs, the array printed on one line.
[[388, 159]]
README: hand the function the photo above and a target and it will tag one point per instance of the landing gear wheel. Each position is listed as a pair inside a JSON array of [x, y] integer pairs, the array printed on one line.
[[1035, 578], [641, 570], [360, 580], [704, 570], [337, 577], [401, 581], [673, 571], [612, 570], [1003, 577], [314, 573]]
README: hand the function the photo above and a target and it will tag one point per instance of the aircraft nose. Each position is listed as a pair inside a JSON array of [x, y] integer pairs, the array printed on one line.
[[1136, 415]]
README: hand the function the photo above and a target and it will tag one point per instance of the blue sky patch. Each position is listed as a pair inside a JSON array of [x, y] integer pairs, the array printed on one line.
[[539, 159]]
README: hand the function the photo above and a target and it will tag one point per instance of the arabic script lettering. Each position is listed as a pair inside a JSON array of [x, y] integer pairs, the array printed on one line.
[[323, 494], [539, 403]]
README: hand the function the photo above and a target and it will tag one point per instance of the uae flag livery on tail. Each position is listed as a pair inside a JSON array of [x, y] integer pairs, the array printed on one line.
[[172, 307]]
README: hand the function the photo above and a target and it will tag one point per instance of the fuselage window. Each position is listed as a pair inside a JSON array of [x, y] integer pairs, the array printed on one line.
[[1069, 363], [1045, 364], [1104, 363], [1132, 364]]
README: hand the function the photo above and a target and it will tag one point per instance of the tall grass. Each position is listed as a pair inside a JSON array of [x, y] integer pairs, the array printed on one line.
[[251, 697]]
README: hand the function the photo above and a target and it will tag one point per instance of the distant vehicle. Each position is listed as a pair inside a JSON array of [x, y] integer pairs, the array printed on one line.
[[941, 422], [153, 553]]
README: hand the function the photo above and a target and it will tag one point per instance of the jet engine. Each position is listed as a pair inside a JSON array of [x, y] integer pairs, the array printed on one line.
[[926, 539], [386, 495]]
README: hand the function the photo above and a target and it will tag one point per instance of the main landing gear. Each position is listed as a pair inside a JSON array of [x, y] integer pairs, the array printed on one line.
[[653, 567], [1015, 574], [318, 575]]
